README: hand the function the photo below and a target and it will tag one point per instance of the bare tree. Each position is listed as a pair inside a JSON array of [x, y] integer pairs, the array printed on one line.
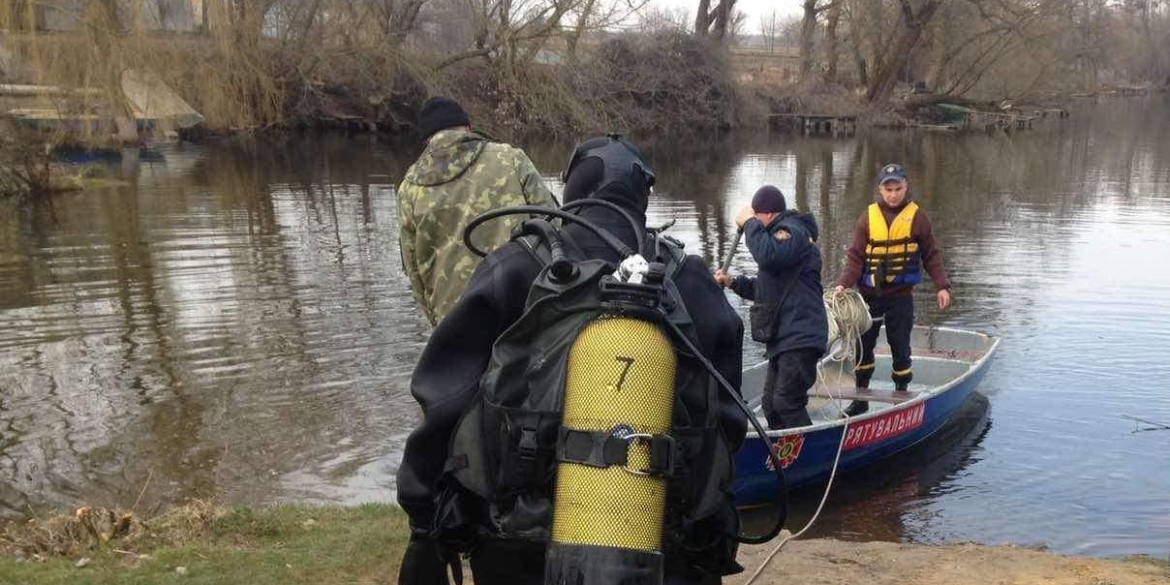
[[396, 18], [24, 15], [914, 17], [244, 19], [1142, 17], [737, 26], [596, 16], [769, 27], [654, 18], [584, 16], [808, 30], [713, 21], [831, 49], [971, 38], [510, 33], [868, 23]]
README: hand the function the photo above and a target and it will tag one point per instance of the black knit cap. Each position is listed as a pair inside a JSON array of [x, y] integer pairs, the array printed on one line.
[[768, 199], [439, 113]]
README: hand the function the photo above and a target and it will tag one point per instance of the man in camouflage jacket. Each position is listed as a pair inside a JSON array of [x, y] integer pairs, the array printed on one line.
[[459, 175]]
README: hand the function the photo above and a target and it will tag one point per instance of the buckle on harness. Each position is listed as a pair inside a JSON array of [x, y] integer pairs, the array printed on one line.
[[604, 449], [526, 448], [661, 454]]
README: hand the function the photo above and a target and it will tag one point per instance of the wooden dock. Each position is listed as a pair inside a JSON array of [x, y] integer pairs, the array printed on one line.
[[816, 124], [966, 118], [1000, 121]]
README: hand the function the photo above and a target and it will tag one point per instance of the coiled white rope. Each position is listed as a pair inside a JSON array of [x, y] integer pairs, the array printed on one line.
[[848, 319]]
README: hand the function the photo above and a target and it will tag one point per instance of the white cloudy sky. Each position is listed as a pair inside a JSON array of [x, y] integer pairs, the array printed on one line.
[[753, 8]]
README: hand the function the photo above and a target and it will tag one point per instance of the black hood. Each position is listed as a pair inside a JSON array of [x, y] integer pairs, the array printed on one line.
[[608, 168], [632, 202], [585, 183]]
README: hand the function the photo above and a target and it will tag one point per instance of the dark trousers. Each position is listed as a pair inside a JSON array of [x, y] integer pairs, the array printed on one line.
[[790, 375], [504, 562], [899, 319]]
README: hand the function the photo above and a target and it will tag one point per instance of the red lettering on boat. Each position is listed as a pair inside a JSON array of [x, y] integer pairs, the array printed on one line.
[[884, 427]]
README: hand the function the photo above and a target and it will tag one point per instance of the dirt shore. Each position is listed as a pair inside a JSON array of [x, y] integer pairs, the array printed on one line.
[[327, 545], [825, 562]]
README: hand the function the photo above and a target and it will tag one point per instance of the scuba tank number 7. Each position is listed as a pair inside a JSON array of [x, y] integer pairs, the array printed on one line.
[[619, 393]]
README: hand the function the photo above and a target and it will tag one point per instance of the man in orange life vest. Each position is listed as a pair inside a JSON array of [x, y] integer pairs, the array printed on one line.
[[892, 245]]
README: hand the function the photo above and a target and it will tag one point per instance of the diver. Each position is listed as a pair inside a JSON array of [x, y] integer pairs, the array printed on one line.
[[479, 475]]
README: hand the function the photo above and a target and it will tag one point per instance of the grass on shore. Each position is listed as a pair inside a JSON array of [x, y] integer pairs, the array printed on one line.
[[1163, 562], [203, 544], [321, 545]]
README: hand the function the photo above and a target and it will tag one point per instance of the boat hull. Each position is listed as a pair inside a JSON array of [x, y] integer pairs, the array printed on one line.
[[807, 453]]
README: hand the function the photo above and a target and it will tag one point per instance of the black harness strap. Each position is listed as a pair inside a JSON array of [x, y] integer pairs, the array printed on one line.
[[527, 450], [605, 449]]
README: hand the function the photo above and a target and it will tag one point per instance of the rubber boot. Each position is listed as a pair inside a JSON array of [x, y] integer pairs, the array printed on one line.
[[856, 407]]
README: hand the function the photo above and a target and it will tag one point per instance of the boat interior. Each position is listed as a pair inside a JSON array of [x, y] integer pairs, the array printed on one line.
[[940, 356]]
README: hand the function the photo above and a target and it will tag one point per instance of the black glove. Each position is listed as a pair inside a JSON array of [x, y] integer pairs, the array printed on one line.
[[423, 563]]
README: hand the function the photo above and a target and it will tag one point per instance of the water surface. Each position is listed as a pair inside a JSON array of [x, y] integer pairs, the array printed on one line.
[[234, 323]]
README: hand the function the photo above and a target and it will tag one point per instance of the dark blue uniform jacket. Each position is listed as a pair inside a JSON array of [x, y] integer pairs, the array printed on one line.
[[802, 321]]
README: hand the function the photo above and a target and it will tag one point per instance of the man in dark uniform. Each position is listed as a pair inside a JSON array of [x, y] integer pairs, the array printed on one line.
[[783, 243], [447, 376]]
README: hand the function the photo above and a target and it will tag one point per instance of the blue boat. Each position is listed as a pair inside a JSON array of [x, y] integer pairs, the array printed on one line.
[[948, 364]]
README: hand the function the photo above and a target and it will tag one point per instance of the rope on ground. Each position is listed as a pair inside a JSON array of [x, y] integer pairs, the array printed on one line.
[[848, 319]]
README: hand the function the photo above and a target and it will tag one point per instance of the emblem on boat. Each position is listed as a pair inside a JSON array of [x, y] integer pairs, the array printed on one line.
[[787, 451]]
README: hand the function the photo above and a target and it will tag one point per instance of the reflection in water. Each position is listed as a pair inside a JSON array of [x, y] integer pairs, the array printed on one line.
[[235, 324], [232, 318]]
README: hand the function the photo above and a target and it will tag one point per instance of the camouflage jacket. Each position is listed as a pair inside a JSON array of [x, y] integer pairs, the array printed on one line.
[[459, 176]]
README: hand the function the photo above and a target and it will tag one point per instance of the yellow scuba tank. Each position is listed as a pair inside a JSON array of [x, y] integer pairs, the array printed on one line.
[[619, 397]]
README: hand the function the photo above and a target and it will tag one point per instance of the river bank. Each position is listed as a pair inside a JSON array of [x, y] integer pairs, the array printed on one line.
[[832, 562], [201, 543]]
